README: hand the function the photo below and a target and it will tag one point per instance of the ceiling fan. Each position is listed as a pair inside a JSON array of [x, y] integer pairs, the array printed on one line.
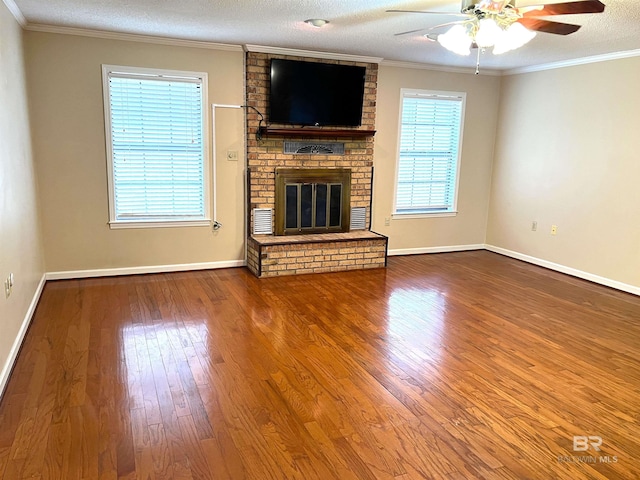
[[502, 25]]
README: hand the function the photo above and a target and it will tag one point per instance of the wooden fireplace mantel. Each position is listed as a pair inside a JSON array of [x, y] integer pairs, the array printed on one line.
[[314, 132]]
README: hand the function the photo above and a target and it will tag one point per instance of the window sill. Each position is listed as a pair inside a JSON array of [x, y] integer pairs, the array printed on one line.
[[409, 216], [122, 224]]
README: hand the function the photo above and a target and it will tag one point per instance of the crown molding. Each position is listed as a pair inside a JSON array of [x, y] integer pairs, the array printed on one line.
[[576, 61], [35, 27], [439, 68], [15, 11], [130, 37], [311, 54]]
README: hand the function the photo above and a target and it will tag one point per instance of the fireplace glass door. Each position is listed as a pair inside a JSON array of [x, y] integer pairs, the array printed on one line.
[[312, 201], [313, 205]]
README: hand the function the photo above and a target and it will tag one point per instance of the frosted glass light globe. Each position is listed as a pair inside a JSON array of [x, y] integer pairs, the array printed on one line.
[[488, 33], [514, 37], [456, 40]]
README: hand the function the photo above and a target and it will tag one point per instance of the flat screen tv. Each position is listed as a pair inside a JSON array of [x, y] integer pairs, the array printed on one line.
[[320, 94]]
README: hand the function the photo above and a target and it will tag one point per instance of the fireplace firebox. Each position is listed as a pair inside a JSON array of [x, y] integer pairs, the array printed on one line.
[[312, 200]]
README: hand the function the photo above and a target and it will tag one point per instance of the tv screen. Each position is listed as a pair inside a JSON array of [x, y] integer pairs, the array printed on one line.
[[307, 93]]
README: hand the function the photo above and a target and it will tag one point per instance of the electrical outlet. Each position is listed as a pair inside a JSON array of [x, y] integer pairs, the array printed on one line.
[[534, 226], [554, 229], [387, 221]]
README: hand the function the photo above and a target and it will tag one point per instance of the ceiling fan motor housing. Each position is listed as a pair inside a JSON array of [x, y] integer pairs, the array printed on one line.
[[473, 5]]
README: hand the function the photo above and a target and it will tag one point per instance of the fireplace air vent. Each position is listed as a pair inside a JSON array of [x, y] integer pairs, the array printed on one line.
[[358, 218], [324, 148], [262, 224]]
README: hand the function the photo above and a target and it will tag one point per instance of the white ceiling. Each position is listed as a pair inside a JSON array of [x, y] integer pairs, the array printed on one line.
[[358, 27]]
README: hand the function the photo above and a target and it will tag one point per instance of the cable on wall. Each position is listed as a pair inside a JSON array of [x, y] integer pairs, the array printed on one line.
[[216, 225], [258, 133]]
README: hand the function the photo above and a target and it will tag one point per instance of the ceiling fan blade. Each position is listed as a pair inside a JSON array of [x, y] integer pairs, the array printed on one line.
[[410, 31], [434, 38], [447, 24], [548, 26], [454, 14], [431, 28], [566, 8]]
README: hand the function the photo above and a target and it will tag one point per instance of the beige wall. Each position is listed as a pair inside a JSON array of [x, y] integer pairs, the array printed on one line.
[[567, 155], [469, 226], [21, 252], [65, 93], [563, 156], [68, 123]]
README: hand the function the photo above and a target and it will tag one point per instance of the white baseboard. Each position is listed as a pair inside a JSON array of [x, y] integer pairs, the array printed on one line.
[[625, 287], [444, 249], [111, 272], [17, 343]]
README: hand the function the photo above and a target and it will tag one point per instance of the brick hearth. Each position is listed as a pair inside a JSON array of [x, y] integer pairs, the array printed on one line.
[[270, 255]]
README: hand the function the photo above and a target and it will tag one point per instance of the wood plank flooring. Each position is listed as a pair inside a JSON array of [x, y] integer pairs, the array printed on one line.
[[451, 366]]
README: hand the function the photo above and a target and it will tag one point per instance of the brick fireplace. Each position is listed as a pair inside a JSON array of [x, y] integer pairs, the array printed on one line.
[[350, 152]]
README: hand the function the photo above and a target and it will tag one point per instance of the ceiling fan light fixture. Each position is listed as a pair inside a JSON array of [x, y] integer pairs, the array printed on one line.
[[456, 40], [503, 36], [316, 22]]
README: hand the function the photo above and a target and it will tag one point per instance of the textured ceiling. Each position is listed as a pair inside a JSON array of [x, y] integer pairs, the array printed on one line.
[[359, 27]]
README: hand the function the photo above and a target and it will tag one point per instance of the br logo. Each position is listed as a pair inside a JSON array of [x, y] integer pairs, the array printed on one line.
[[582, 443]]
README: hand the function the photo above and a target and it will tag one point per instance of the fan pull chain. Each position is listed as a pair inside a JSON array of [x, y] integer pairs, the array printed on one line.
[[478, 61]]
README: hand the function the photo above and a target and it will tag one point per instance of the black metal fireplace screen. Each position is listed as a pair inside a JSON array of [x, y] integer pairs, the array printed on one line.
[[312, 200]]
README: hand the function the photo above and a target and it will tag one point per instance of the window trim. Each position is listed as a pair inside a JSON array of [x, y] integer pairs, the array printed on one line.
[[405, 92], [132, 72]]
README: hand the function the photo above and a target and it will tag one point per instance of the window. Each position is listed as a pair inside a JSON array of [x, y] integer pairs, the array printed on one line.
[[429, 152], [155, 128]]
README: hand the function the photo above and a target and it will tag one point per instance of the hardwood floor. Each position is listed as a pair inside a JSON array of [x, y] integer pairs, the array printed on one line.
[[451, 366]]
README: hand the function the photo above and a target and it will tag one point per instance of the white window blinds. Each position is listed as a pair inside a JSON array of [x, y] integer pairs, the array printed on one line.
[[430, 138], [156, 130]]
